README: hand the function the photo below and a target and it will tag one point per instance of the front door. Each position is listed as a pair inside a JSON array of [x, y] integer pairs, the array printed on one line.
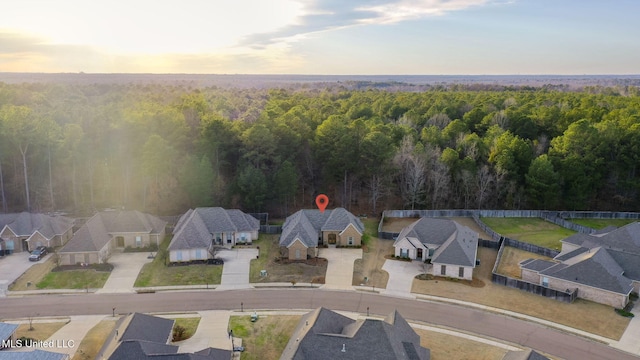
[[332, 239], [419, 255], [120, 241]]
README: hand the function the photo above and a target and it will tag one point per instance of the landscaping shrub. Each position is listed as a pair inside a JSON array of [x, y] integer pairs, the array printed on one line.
[[150, 248], [624, 313], [178, 333]]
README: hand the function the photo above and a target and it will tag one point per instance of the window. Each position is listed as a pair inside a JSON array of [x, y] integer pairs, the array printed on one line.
[[297, 253], [179, 255], [404, 252], [443, 270], [461, 272], [10, 245], [545, 281], [138, 241], [243, 237], [198, 254], [350, 240], [218, 237]]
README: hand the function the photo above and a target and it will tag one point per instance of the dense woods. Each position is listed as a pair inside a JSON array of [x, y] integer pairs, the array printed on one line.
[[163, 148]]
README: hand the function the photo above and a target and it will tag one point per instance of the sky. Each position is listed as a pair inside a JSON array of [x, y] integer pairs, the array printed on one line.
[[325, 37]]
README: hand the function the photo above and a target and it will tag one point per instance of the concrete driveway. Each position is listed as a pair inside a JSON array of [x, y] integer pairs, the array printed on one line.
[[14, 265], [126, 267], [212, 332], [235, 273], [401, 274], [68, 338], [339, 267]]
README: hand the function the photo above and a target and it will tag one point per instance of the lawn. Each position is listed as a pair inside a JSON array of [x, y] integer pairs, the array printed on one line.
[[444, 346], [94, 339], [266, 338], [531, 230], [156, 273], [602, 223], [189, 324], [74, 279], [41, 330], [511, 257], [373, 257], [33, 275], [283, 271], [581, 314]]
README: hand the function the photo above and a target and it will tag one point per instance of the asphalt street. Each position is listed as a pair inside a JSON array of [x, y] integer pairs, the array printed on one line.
[[496, 326]]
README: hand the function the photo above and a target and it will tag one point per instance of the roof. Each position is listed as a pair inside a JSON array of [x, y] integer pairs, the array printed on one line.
[[6, 330], [134, 350], [455, 244], [24, 224], [596, 268], [36, 354], [324, 334], [524, 355], [147, 328], [536, 264], [100, 229], [196, 227], [305, 225]]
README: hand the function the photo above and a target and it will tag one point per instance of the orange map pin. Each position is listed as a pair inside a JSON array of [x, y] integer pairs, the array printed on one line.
[[322, 201]]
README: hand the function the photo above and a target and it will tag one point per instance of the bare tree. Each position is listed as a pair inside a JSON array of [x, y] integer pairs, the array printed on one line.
[[439, 182], [412, 172], [377, 190], [485, 179]]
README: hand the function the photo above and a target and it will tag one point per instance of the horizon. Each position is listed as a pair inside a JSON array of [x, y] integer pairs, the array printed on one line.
[[321, 37]]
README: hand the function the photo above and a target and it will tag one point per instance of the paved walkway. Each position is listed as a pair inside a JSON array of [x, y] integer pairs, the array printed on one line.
[[401, 274], [73, 333], [630, 339], [339, 267], [126, 267], [235, 273]]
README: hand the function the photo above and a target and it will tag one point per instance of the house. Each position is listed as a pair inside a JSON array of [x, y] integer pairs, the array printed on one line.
[[26, 231], [305, 230], [107, 231], [141, 336], [324, 334], [200, 229], [36, 354], [452, 248], [7, 335], [602, 267]]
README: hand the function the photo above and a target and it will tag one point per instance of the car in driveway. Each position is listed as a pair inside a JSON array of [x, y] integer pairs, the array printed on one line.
[[36, 255], [43, 250]]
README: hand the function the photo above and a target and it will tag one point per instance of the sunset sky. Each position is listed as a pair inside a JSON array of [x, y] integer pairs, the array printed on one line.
[[321, 36]]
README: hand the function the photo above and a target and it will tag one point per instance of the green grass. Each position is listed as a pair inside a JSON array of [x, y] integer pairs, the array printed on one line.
[[601, 223], [268, 249], [156, 273], [531, 230], [264, 339], [189, 324], [370, 230], [73, 279]]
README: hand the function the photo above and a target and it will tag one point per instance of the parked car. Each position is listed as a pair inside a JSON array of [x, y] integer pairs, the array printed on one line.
[[36, 255], [43, 250], [238, 348]]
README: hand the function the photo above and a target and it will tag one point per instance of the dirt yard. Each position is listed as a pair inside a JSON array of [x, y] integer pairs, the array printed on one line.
[[373, 257], [511, 258], [584, 315], [444, 346], [309, 271]]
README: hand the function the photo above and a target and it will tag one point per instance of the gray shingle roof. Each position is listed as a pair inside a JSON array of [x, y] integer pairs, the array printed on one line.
[[196, 227], [147, 328], [455, 244], [536, 264], [322, 334], [595, 268], [570, 254], [140, 350], [6, 330], [32, 355], [306, 225], [524, 355], [25, 224], [99, 230]]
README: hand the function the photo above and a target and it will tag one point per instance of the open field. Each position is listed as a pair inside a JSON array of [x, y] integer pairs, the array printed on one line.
[[584, 315], [601, 223], [511, 257], [373, 257], [33, 276], [531, 230], [266, 338], [41, 330], [93, 341], [156, 273]]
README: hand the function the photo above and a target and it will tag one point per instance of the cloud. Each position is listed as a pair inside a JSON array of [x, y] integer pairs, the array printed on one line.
[[325, 15]]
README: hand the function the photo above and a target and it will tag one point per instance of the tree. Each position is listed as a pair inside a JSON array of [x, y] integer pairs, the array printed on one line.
[[543, 184], [253, 187], [197, 181], [285, 184], [412, 165]]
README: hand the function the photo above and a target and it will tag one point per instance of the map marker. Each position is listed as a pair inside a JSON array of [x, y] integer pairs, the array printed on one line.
[[322, 201]]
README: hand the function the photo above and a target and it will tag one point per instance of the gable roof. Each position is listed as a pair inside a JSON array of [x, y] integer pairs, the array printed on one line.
[[524, 355], [455, 244], [307, 224], [25, 224], [196, 227], [147, 328], [323, 334], [99, 229], [6, 330], [36, 354]]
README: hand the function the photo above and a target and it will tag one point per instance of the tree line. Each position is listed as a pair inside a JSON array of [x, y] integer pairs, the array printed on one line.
[[164, 148]]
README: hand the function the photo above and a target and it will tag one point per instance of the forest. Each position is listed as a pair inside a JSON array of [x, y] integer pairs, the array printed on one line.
[[163, 148]]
